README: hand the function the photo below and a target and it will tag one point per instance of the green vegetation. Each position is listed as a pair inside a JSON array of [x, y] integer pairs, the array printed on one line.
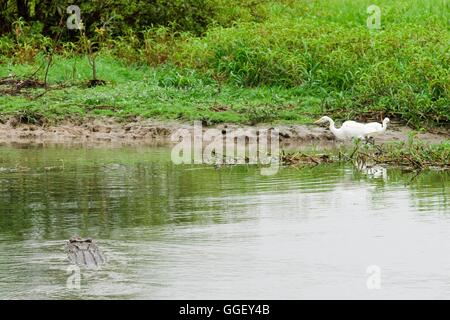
[[413, 154], [162, 92], [233, 61]]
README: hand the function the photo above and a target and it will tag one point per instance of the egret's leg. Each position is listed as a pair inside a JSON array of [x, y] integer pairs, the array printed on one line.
[[370, 140], [363, 138], [380, 151]]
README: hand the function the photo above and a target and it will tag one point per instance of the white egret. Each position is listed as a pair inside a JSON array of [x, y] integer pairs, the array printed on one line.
[[375, 128], [352, 129]]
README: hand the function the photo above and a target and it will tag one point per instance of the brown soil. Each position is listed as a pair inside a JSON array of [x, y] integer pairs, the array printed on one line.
[[101, 131], [11, 85]]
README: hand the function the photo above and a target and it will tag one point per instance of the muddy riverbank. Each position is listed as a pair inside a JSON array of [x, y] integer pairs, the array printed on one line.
[[108, 131]]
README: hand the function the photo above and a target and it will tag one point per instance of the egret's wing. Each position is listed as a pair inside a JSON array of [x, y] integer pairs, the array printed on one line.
[[373, 129], [352, 129], [351, 124], [374, 126]]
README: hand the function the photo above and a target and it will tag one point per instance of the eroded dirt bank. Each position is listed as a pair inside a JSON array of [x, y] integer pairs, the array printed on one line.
[[107, 131]]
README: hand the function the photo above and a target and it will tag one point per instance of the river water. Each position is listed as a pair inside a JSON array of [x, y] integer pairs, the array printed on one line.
[[199, 232]]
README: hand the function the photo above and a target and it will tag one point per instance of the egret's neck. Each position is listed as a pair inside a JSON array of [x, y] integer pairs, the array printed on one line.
[[333, 128]]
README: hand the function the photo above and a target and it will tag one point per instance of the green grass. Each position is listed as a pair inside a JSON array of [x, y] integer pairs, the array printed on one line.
[[301, 60], [165, 92], [402, 70]]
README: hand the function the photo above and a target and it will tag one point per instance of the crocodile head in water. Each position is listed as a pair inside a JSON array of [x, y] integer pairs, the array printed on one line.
[[84, 252]]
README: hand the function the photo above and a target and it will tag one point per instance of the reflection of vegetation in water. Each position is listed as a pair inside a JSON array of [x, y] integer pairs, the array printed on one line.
[[108, 188], [429, 189], [101, 190]]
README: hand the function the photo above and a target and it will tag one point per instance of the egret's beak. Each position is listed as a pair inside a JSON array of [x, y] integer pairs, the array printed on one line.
[[317, 121]]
